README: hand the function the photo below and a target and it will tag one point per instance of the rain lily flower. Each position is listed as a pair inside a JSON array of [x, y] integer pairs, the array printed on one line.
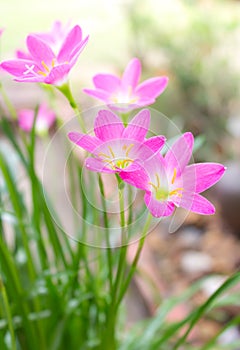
[[55, 37], [168, 181], [42, 65], [44, 120], [125, 90], [116, 148]]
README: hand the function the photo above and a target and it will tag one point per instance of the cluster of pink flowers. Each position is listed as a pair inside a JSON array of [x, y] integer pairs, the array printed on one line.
[[168, 181]]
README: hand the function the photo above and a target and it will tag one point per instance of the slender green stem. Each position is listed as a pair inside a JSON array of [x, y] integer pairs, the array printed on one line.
[[106, 224], [8, 315], [136, 258], [8, 102], [123, 249], [65, 89], [109, 340]]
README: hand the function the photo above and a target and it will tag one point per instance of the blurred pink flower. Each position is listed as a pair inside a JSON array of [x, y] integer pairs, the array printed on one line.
[[116, 148], [169, 182], [44, 120], [41, 64], [114, 90], [55, 37]]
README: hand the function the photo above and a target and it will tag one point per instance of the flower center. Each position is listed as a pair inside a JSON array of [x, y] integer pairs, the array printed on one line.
[[162, 193], [117, 162], [47, 69], [124, 97]]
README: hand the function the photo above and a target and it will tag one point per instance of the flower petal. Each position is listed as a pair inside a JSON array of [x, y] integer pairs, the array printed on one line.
[[131, 74], [107, 82], [199, 177], [20, 67], [100, 94], [157, 208], [96, 164], [180, 153], [72, 40], [58, 75], [25, 119], [87, 142], [155, 143], [76, 52], [195, 203], [40, 51], [138, 178], [152, 87], [108, 126], [138, 127]]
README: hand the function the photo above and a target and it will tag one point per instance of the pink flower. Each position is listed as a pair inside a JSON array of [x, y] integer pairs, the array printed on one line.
[[114, 90], [55, 37], [170, 182], [116, 148], [44, 120], [41, 64]]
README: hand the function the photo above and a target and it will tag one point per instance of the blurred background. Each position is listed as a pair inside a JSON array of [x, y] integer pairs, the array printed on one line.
[[196, 44]]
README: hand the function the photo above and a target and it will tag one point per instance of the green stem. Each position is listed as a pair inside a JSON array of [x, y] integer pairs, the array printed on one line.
[[136, 259], [8, 315], [65, 90], [8, 102], [106, 224]]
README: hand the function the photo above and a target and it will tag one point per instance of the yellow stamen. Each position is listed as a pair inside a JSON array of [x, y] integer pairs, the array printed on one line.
[[158, 180], [154, 186], [127, 149], [42, 73], [111, 151], [53, 62], [45, 66], [176, 191], [104, 155], [174, 175]]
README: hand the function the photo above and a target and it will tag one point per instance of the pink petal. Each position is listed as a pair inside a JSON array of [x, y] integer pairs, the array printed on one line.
[[40, 51], [135, 166], [87, 142], [180, 153], [107, 82], [108, 126], [157, 208], [23, 55], [58, 75], [199, 177], [152, 88], [138, 178], [138, 127], [19, 67], [195, 203], [155, 143], [72, 40], [25, 119], [30, 79], [46, 115], [131, 74], [100, 94], [144, 101], [77, 51], [96, 164]]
